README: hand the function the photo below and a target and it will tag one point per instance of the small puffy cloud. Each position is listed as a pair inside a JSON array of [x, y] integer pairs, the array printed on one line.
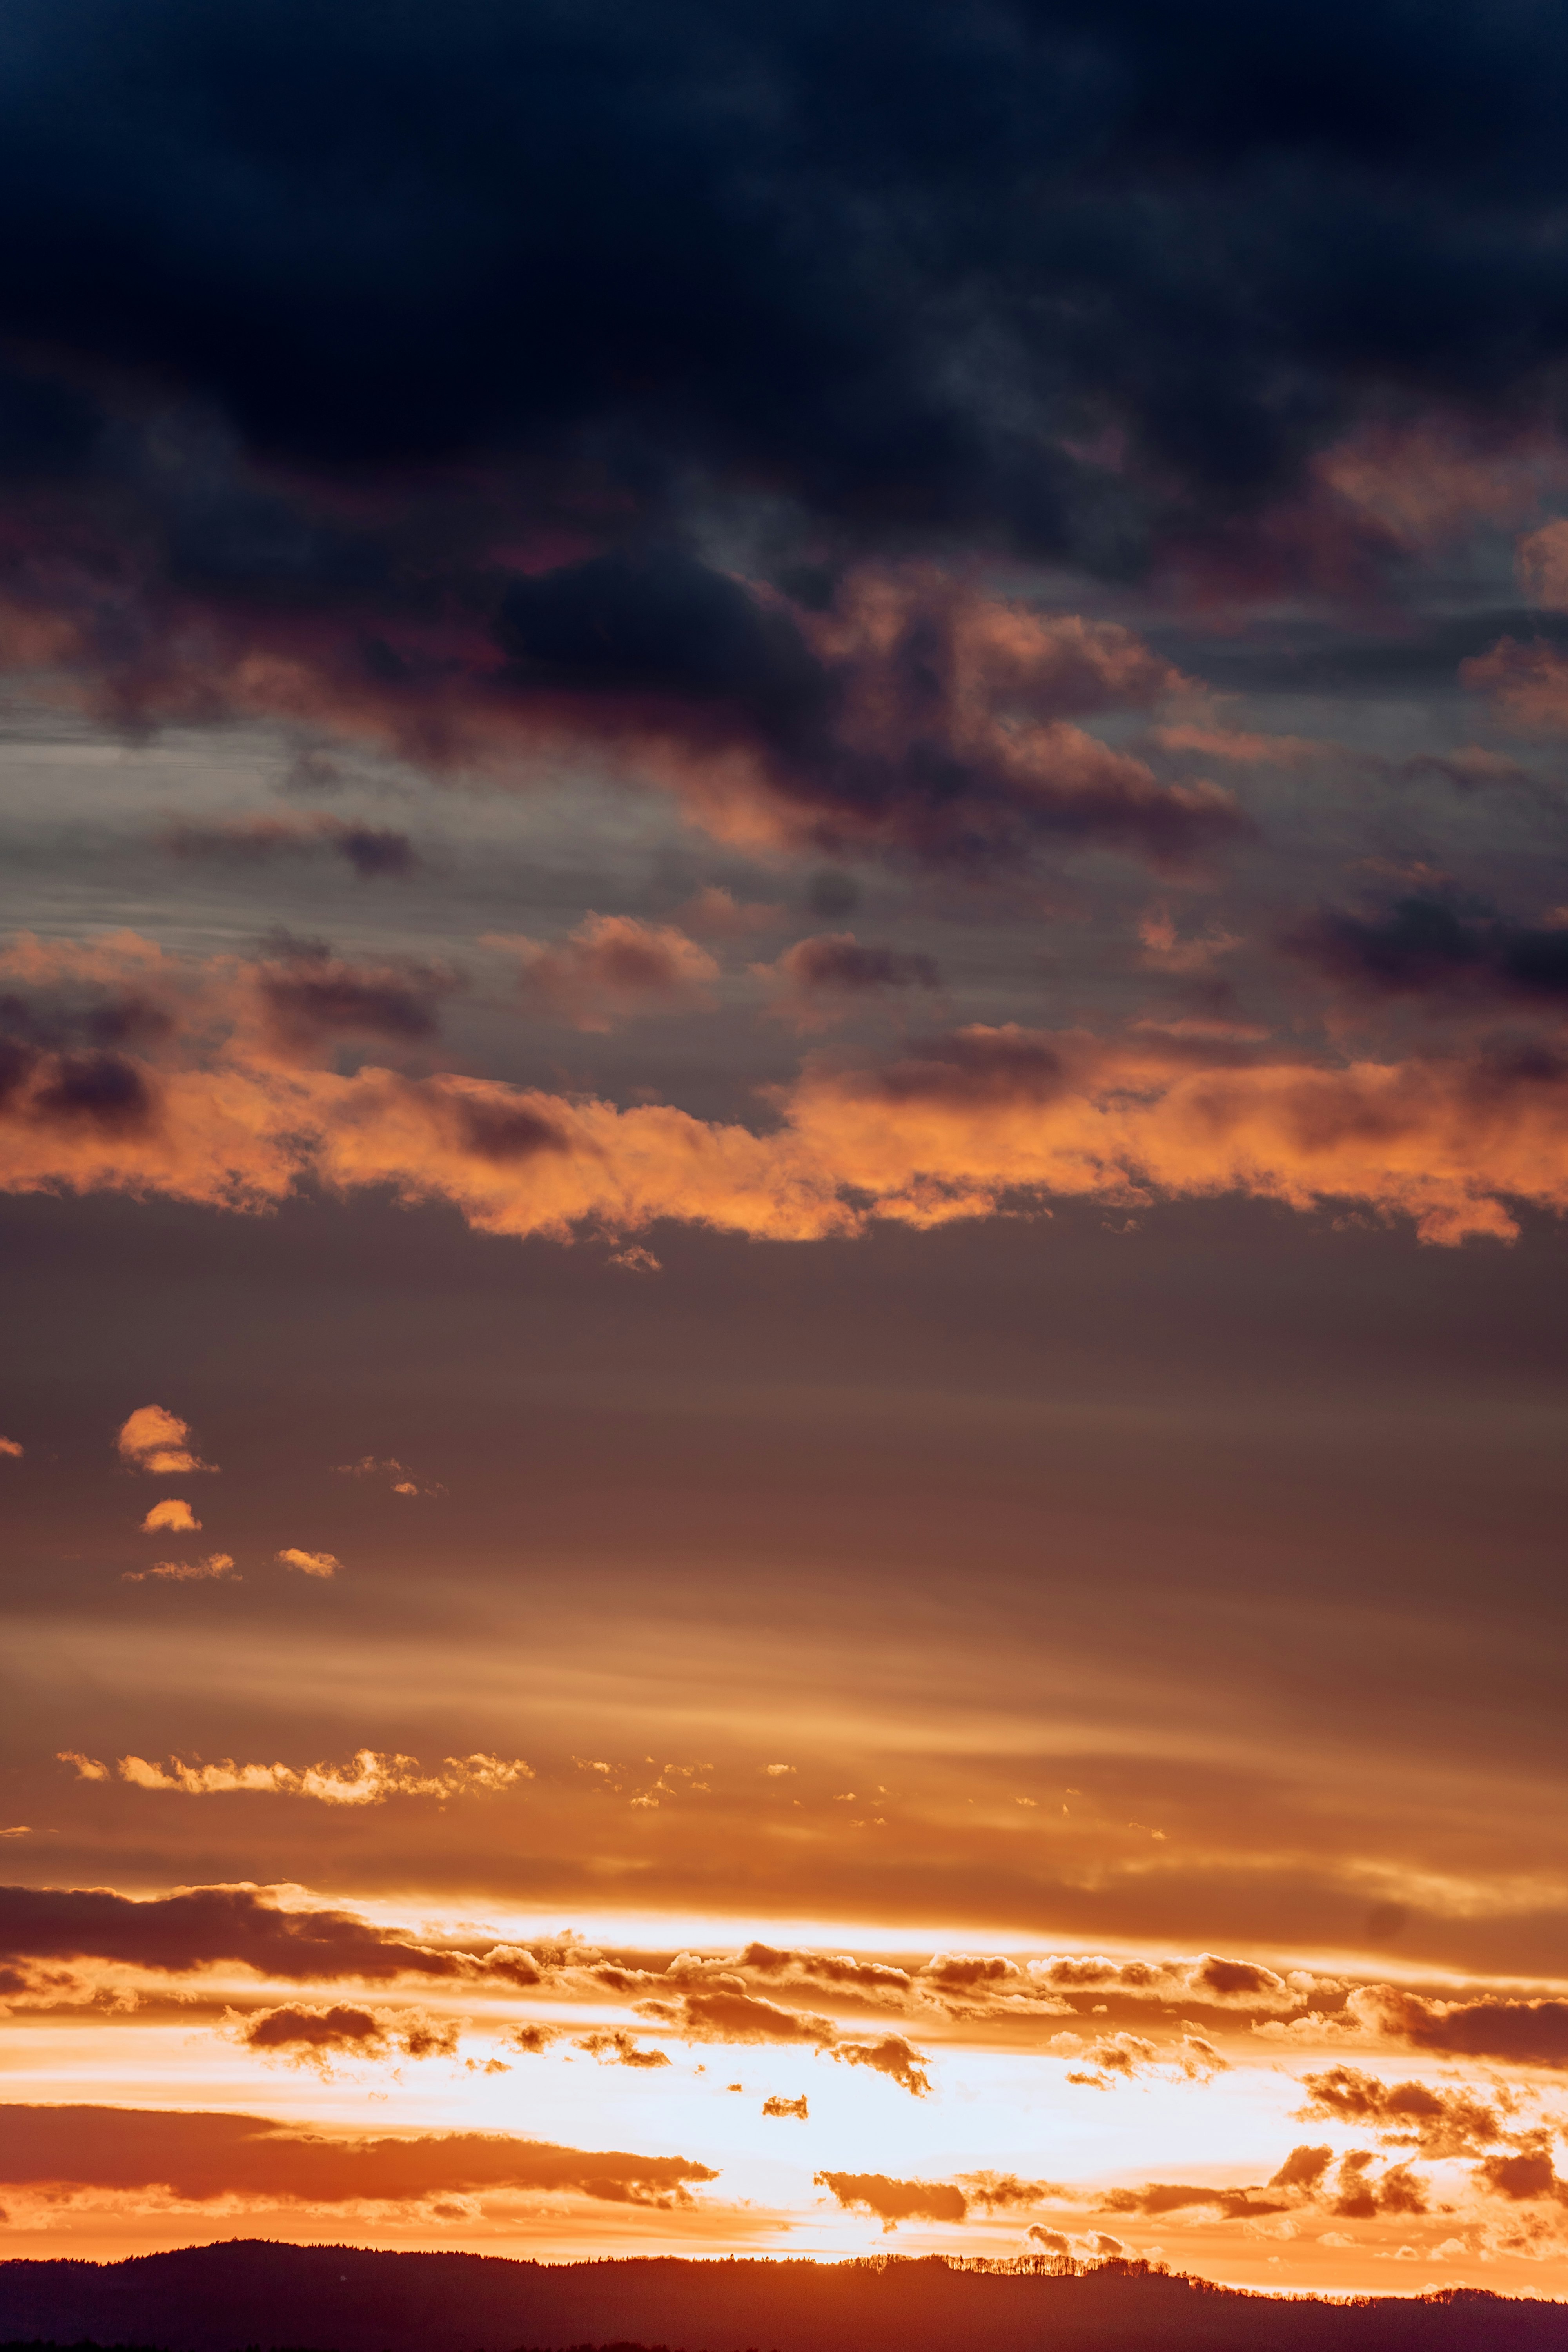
[[892, 2056], [1303, 2169], [1527, 2175], [817, 981], [533, 2041], [158, 1442], [314, 2037], [774, 1772], [170, 1517], [893, 2201], [611, 968], [309, 1563], [1404, 2114], [776, 2106], [10, 1449], [217, 1567], [619, 2049], [1128, 2054]]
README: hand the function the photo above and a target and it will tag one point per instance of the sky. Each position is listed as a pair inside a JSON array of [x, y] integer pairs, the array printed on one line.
[[784, 1122]]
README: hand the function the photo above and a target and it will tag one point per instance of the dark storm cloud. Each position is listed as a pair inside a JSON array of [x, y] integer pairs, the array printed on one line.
[[1438, 946], [449, 382], [203, 2155], [191, 1930], [886, 262]]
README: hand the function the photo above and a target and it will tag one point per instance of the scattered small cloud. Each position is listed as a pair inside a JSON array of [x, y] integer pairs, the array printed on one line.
[[171, 1518], [619, 2049], [9, 1447], [158, 1442], [309, 1563], [367, 1780], [795, 2107], [217, 1567]]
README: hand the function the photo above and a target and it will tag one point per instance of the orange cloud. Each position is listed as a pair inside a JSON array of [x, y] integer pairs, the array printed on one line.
[[157, 1441], [309, 1563], [177, 1933], [817, 981], [613, 968], [173, 1516], [9, 1447], [313, 2037], [217, 1566], [893, 2201], [368, 1780], [198, 2157], [966, 1124]]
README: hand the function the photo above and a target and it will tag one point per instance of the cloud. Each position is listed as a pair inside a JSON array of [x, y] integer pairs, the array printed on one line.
[[733, 2016], [611, 968], [173, 1516], [1003, 2192], [313, 2037], [309, 1563], [1096, 2245], [1438, 2123], [1177, 2197], [203, 1926], [1524, 2175], [726, 2012], [200, 2156], [619, 2049], [892, 2056], [401, 1478], [1518, 2032], [369, 1780], [893, 2201], [218, 1566], [964, 1125], [815, 981], [308, 996], [795, 2107], [533, 2041], [374, 852], [10, 1449], [713, 913], [156, 1441], [1430, 946], [1129, 2054]]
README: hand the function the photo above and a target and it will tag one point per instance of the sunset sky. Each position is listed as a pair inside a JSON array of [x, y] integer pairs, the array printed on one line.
[[784, 1117]]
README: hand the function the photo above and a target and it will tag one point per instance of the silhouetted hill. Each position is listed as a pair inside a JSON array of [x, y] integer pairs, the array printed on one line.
[[344, 2299]]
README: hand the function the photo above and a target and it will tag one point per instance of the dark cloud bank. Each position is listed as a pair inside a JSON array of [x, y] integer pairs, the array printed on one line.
[[442, 378]]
